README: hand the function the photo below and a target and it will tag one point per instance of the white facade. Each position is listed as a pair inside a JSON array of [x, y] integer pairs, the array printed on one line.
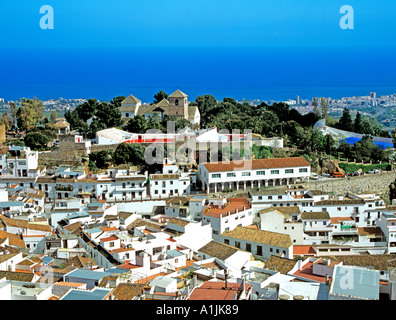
[[276, 222], [241, 175]]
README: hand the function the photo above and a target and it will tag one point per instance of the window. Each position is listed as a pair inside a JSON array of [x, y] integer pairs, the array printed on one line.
[[216, 232], [216, 175], [303, 170], [259, 250], [231, 174], [245, 174], [237, 244], [176, 102], [274, 171], [226, 241], [248, 247], [260, 173], [289, 171]]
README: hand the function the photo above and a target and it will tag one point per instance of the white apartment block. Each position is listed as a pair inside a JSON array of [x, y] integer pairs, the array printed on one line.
[[260, 243], [226, 214], [236, 175], [18, 162]]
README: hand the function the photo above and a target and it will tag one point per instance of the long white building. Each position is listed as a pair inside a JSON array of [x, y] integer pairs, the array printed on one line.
[[235, 175]]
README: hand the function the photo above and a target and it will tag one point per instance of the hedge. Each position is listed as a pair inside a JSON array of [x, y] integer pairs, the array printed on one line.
[[352, 167]]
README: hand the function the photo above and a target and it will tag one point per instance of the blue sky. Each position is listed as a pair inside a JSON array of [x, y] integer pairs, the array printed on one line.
[[102, 48], [205, 23]]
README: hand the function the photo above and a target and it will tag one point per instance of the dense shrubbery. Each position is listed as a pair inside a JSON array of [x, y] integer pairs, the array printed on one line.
[[353, 167]]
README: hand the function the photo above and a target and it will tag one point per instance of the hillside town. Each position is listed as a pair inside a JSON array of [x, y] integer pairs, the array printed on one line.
[[194, 228]]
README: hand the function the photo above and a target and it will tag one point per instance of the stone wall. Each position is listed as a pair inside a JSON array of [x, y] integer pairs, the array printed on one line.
[[373, 183]]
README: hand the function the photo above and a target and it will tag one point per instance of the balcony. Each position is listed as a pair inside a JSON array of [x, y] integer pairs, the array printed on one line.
[[64, 188]]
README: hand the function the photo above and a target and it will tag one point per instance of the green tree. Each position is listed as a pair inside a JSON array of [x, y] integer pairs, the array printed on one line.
[[121, 154], [160, 95], [324, 105], [357, 126], [116, 101], [13, 111], [205, 104], [36, 140], [345, 122], [108, 114], [137, 124], [53, 116], [25, 117]]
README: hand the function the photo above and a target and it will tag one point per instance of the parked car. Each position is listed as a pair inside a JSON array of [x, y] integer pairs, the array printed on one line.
[[373, 171], [337, 174], [314, 176]]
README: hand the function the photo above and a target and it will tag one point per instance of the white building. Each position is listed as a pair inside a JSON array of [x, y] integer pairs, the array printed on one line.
[[260, 243], [19, 162], [226, 214], [283, 220], [218, 176]]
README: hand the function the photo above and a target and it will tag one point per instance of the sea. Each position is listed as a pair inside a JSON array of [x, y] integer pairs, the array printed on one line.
[[241, 73]]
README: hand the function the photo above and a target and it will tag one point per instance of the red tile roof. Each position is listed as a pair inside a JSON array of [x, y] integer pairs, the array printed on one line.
[[211, 290], [303, 250], [232, 205], [108, 239]]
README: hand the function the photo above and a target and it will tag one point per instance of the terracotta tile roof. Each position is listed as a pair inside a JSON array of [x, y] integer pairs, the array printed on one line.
[[168, 176], [232, 206], [108, 239], [279, 264], [289, 210], [370, 231], [378, 261], [307, 273], [212, 290], [74, 227], [178, 200], [260, 236], [141, 222], [5, 257], [336, 220], [303, 250], [70, 284], [256, 164], [17, 276], [321, 215], [80, 262], [179, 222], [127, 291], [24, 224], [218, 250], [13, 239], [106, 229]]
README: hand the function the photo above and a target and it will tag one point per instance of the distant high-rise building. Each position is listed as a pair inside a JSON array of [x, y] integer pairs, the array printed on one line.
[[373, 95], [298, 99]]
